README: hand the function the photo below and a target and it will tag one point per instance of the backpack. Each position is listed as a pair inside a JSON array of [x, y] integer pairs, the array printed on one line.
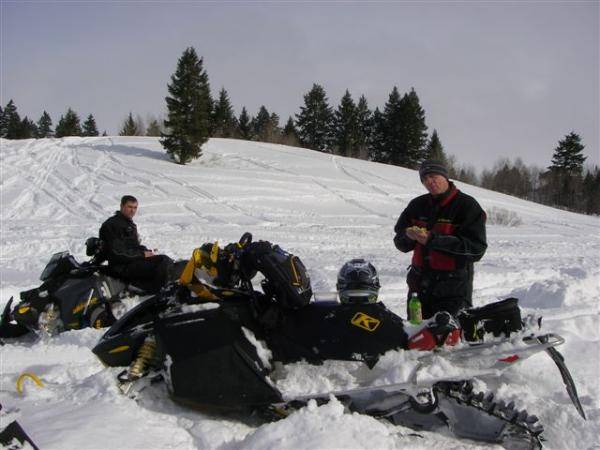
[[503, 317], [286, 278]]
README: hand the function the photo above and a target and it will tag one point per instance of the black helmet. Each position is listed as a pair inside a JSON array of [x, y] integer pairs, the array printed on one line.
[[358, 282]]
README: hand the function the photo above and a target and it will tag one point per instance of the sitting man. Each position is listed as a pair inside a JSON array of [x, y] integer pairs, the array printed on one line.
[[127, 258]]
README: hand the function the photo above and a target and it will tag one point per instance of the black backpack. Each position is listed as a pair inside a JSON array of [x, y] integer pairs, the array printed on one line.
[[286, 278], [503, 317]]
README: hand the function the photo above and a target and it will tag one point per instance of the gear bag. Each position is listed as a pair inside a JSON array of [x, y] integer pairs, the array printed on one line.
[[503, 317], [286, 278]]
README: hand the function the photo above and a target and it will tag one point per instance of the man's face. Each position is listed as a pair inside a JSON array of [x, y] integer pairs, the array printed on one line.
[[435, 183], [129, 209]]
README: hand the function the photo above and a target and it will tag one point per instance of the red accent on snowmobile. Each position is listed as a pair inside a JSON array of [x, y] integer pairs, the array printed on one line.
[[510, 359], [425, 340]]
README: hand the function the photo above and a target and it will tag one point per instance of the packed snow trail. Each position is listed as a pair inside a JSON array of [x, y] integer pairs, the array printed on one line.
[[55, 193]]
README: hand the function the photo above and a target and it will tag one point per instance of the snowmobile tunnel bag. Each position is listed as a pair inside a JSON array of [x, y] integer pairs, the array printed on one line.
[[503, 317]]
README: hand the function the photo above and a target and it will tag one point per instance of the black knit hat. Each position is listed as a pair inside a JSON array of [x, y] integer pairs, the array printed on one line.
[[433, 166]]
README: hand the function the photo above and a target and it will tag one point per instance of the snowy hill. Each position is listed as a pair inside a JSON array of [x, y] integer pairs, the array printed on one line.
[[324, 208]]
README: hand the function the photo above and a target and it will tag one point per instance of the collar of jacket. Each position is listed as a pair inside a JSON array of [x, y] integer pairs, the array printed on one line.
[[122, 216], [446, 197]]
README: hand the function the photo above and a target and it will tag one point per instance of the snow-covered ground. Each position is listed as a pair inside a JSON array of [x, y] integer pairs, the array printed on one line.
[[323, 208]]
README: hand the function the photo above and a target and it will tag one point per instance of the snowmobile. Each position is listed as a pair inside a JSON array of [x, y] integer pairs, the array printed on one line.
[[211, 353], [73, 295]]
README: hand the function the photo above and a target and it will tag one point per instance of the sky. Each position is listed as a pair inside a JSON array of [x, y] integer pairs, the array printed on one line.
[[496, 79]]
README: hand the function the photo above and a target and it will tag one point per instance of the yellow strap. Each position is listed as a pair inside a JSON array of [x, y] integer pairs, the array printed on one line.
[[22, 378], [214, 252]]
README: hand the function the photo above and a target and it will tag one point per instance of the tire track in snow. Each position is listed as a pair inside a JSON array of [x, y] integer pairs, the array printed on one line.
[[362, 182], [322, 185], [196, 190], [46, 167]]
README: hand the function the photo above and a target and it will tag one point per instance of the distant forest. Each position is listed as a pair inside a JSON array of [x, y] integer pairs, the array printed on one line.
[[396, 134]]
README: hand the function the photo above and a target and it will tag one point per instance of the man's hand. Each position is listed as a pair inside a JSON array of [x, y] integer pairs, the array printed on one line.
[[148, 253], [421, 235]]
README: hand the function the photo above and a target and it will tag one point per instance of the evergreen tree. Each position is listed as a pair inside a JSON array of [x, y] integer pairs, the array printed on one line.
[[189, 109], [28, 129], [68, 125], [345, 126], [130, 127], [568, 155], [244, 125], [2, 123], [393, 149], [224, 121], [274, 129], [377, 143], [262, 125], [290, 135], [153, 128], [89, 127], [44, 126], [563, 181], [435, 150], [416, 129], [364, 123], [314, 123], [12, 122]]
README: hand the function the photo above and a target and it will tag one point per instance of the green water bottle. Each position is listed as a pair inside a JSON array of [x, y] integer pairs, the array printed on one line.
[[415, 315]]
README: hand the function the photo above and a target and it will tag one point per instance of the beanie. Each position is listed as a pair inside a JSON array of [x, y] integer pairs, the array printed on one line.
[[433, 166]]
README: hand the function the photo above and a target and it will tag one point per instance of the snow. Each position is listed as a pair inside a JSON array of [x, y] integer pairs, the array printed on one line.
[[325, 209]]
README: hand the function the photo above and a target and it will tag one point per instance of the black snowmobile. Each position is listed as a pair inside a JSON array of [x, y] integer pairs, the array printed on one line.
[[72, 296], [210, 353]]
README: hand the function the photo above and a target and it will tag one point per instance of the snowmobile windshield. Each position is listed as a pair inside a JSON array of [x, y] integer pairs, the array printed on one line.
[[59, 263]]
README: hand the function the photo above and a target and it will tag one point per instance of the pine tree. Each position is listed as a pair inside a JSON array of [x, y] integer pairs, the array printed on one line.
[[415, 129], [314, 123], [224, 121], [261, 128], [28, 128], [12, 121], [68, 125], [2, 123], [189, 109], [290, 135], [393, 131], [568, 155], [89, 127], [345, 126], [153, 128], [377, 142], [564, 177], [130, 127], [435, 150], [44, 126], [274, 129], [244, 125], [364, 123]]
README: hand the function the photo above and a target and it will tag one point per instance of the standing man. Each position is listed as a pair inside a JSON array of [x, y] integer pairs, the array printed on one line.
[[127, 257], [445, 230]]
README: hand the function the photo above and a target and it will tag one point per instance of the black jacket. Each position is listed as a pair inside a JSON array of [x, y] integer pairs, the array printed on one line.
[[457, 226], [121, 241]]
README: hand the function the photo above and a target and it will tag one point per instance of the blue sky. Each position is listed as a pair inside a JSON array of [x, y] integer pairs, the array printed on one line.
[[495, 78]]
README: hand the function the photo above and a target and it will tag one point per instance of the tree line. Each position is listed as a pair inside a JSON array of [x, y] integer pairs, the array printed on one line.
[[69, 124], [396, 134]]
